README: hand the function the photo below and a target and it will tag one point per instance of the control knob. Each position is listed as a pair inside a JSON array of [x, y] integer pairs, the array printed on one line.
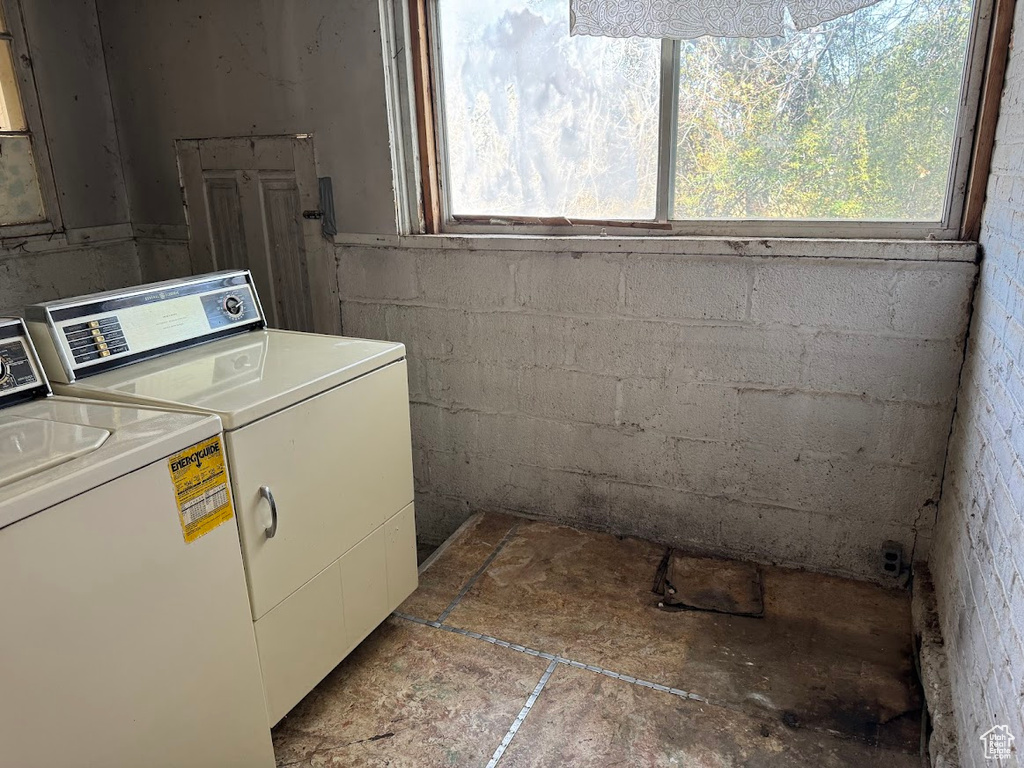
[[5, 370], [233, 305]]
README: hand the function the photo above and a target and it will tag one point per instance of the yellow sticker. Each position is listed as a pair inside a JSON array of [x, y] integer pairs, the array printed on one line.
[[201, 488]]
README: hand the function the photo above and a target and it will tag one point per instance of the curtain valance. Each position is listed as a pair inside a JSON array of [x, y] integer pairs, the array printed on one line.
[[687, 19]]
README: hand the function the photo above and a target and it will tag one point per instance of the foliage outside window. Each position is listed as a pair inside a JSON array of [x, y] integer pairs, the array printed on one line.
[[853, 120]]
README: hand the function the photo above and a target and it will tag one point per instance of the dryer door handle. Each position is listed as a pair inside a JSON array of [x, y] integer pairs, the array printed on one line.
[[265, 493]]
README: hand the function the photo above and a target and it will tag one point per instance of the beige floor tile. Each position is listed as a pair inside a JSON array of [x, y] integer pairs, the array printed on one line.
[[410, 695], [829, 654], [585, 719], [454, 566], [824, 679]]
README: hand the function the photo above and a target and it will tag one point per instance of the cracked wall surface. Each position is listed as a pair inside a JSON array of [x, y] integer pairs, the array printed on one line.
[[786, 409], [978, 561]]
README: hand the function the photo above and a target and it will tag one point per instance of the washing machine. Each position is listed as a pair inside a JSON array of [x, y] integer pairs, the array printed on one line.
[[125, 630], [317, 438]]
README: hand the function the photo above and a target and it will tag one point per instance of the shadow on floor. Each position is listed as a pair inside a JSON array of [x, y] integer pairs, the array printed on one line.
[[423, 551]]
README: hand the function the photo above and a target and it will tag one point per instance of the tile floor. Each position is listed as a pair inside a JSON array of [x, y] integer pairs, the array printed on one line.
[[529, 644]]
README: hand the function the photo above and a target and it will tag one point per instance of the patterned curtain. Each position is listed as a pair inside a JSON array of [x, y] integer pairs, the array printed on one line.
[[687, 19]]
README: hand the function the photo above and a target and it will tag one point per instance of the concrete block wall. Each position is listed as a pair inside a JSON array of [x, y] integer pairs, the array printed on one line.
[[978, 561], [31, 272], [778, 407]]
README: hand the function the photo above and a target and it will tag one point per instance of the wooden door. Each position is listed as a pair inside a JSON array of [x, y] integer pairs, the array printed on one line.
[[253, 203]]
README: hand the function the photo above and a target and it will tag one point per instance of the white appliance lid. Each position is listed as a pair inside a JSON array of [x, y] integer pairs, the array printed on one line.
[[28, 446], [89, 444], [243, 378]]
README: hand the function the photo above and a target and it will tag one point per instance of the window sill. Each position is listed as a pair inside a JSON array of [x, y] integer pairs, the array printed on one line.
[[685, 245], [722, 228]]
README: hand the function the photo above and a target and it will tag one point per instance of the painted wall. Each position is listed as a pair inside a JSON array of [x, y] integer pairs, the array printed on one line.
[[97, 251], [978, 563], [760, 401], [71, 79], [194, 69]]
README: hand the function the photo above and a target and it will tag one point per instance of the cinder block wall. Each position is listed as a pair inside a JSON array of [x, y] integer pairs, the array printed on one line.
[[758, 403], [978, 562], [33, 271]]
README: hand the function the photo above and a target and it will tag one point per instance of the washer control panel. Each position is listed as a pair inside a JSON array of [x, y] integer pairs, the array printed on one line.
[[20, 373], [95, 333]]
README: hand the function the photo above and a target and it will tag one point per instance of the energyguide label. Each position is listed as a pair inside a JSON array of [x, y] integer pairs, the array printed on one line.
[[201, 488]]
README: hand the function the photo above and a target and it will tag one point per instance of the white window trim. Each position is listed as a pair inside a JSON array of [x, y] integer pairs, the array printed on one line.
[[397, 42], [54, 222], [401, 100]]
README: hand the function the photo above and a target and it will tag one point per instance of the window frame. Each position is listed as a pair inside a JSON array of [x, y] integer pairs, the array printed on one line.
[[16, 34], [965, 183]]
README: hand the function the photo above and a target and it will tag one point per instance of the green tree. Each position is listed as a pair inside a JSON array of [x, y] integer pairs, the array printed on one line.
[[850, 120]]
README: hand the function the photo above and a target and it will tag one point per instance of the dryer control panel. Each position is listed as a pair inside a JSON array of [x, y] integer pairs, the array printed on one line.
[[21, 375], [83, 336]]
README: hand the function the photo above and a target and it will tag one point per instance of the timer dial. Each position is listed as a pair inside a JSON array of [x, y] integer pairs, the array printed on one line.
[[233, 305]]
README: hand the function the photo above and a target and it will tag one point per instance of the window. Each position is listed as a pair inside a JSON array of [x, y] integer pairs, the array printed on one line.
[[861, 125], [23, 187]]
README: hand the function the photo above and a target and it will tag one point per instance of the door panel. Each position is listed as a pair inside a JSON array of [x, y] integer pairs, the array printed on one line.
[[364, 584], [403, 574], [226, 230], [271, 153], [314, 628], [285, 245], [301, 640], [339, 465], [244, 200]]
